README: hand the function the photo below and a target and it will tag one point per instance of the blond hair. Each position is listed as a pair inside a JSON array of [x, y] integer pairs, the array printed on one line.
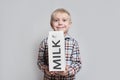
[[59, 10]]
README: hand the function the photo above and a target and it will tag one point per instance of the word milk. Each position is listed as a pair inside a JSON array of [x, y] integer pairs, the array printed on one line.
[[56, 51]]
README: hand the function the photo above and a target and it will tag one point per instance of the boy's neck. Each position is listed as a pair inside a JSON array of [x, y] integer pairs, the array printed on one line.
[[65, 34]]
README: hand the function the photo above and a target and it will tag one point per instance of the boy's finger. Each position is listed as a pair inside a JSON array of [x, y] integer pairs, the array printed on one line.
[[66, 67]]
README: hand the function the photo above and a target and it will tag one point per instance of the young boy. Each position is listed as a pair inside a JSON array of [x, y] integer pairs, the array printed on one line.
[[61, 21]]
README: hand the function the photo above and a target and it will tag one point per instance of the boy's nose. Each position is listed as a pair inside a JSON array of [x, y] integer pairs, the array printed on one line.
[[60, 22]]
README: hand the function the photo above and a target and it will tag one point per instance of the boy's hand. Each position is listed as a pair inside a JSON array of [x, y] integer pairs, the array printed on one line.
[[49, 72], [63, 73]]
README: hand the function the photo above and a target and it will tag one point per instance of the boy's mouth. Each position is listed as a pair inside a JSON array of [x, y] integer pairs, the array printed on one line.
[[60, 27]]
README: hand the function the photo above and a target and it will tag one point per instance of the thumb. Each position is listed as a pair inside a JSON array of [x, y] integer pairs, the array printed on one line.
[[66, 67]]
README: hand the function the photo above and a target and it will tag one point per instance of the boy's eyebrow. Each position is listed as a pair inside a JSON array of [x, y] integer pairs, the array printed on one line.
[[63, 18]]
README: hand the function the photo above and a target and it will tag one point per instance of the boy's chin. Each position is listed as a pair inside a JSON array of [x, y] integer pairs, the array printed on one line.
[[59, 30]]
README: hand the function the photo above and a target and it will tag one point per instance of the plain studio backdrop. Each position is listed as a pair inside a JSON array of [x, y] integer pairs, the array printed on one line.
[[95, 25]]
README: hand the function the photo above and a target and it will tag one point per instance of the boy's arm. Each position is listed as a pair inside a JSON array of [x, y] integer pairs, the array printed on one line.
[[40, 60], [76, 61]]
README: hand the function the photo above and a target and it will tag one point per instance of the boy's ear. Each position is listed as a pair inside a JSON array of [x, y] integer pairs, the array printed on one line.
[[51, 24], [70, 22]]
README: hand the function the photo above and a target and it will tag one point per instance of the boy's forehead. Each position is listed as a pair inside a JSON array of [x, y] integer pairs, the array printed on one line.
[[61, 14]]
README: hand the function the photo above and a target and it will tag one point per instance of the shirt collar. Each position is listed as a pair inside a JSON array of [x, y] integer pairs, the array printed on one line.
[[67, 36]]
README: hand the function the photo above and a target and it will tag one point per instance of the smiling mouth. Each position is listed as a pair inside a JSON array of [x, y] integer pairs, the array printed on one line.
[[60, 27]]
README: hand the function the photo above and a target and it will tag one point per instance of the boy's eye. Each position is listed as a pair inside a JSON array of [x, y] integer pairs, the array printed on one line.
[[64, 20], [55, 20]]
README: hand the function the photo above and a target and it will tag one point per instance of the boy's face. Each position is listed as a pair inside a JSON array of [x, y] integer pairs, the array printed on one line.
[[61, 22]]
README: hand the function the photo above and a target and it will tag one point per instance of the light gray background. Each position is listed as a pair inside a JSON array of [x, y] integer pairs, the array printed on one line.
[[24, 23]]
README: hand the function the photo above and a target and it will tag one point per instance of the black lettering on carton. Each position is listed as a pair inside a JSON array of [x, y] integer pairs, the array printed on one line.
[[56, 44], [57, 52], [58, 64], [56, 56]]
